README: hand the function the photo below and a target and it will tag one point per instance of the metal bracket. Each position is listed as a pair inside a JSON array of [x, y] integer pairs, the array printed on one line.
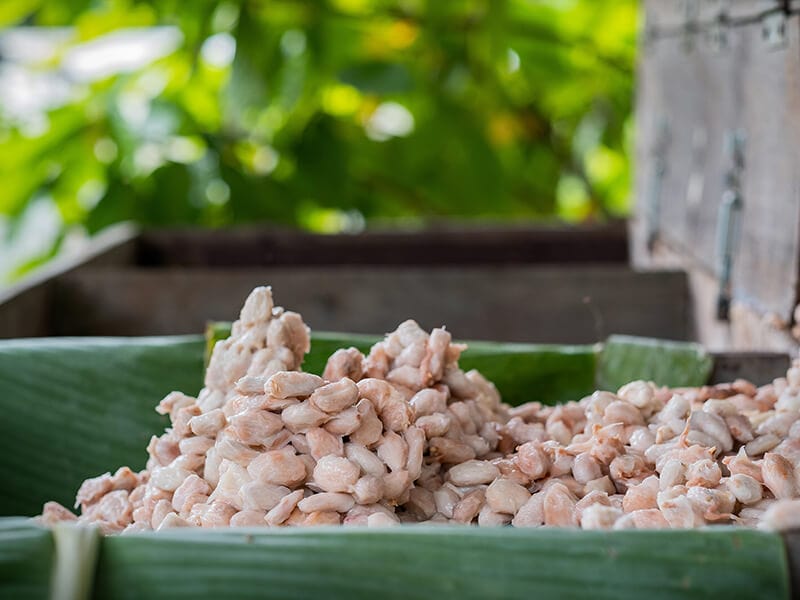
[[691, 9], [653, 200], [717, 33], [729, 223], [773, 30]]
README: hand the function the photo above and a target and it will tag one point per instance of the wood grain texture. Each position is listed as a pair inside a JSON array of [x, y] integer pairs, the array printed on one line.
[[766, 265], [30, 309], [697, 16], [704, 92], [690, 91], [26, 313], [26, 307], [747, 330], [525, 304]]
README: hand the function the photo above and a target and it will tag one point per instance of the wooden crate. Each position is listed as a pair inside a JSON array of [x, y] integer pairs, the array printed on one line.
[[522, 284], [527, 285]]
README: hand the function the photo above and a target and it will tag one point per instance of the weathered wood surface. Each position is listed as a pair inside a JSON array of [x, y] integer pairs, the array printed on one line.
[[685, 93], [25, 308], [676, 16], [525, 304], [706, 85], [747, 330], [29, 309], [442, 246], [33, 309], [766, 265]]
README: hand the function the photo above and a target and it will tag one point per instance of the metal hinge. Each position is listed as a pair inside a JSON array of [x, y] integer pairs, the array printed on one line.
[[653, 200], [716, 29], [691, 9], [717, 33], [729, 223], [773, 30]]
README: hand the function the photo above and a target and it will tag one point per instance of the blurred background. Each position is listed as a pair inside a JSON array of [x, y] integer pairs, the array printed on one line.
[[326, 115]]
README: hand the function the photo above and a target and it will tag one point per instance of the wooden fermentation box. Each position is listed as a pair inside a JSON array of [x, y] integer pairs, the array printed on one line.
[[523, 284], [542, 285]]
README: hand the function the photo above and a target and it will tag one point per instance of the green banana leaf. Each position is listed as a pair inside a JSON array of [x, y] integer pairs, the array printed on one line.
[[77, 407], [26, 558], [74, 408], [676, 364], [443, 562]]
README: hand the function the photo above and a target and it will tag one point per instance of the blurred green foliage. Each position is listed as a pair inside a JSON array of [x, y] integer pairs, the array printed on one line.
[[321, 114]]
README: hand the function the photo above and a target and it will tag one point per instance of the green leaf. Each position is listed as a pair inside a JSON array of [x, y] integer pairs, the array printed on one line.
[[377, 77], [627, 358], [33, 263], [26, 557], [499, 92], [534, 372], [76, 408], [12, 13], [443, 562]]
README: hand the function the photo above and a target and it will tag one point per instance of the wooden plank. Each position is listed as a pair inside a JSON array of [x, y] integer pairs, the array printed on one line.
[[747, 330], [439, 246], [525, 304], [686, 94], [671, 17], [26, 307], [766, 264], [665, 14], [26, 313], [704, 94], [738, 9]]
